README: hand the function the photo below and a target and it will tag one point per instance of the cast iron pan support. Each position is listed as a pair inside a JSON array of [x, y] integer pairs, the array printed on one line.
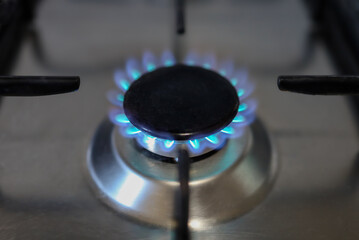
[[320, 85], [37, 85], [180, 16], [182, 199]]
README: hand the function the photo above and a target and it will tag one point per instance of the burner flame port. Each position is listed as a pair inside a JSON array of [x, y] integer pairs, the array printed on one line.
[[197, 142]]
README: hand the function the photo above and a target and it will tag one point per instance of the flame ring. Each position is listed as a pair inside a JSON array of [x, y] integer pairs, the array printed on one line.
[[134, 69]]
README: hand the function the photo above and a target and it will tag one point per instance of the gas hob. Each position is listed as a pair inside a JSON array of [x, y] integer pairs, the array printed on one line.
[[45, 190]]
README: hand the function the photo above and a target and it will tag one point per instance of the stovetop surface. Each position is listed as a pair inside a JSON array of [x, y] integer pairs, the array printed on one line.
[[44, 193]]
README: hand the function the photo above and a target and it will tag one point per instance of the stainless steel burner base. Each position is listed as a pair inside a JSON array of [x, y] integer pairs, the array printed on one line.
[[223, 186]]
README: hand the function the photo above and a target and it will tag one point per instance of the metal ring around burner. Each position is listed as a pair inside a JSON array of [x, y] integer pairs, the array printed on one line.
[[223, 186]]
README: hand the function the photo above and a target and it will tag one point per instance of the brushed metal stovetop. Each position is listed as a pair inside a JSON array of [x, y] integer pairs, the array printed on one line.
[[44, 193]]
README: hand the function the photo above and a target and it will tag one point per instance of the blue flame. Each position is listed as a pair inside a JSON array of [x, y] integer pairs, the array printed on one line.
[[239, 119], [132, 130], [121, 80], [149, 61], [194, 143], [242, 107], [167, 59], [115, 97], [228, 130], [191, 59], [212, 139], [238, 78], [226, 68], [121, 118], [120, 97], [240, 92], [133, 69], [209, 61], [169, 143]]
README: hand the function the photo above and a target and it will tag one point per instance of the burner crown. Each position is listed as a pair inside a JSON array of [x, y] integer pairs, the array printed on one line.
[[181, 102]]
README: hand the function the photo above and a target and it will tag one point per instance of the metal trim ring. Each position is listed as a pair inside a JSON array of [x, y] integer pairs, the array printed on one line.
[[223, 186]]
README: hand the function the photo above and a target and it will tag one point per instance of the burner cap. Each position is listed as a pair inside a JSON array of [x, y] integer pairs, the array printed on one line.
[[181, 102]]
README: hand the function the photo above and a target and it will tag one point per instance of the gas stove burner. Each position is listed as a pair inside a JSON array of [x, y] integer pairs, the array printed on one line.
[[196, 105], [178, 103], [226, 184]]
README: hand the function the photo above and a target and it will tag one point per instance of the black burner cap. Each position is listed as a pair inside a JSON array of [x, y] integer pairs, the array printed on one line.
[[181, 102]]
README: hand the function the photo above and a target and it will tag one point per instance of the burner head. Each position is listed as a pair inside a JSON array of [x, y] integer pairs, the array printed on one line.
[[169, 107], [181, 102]]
